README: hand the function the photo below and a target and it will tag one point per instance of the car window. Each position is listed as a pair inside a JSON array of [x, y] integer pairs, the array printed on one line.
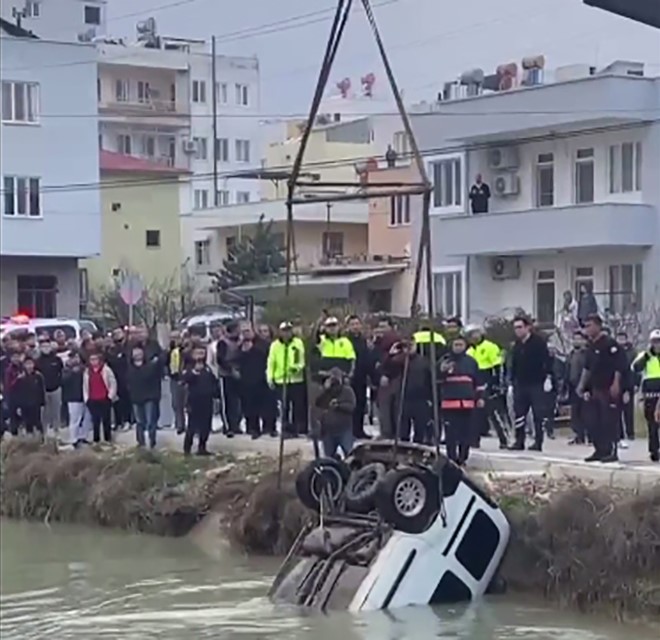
[[197, 329], [86, 325], [50, 329]]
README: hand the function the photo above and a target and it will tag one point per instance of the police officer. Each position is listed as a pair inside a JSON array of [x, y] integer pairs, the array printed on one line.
[[648, 365], [285, 367], [334, 350], [425, 336], [490, 361]]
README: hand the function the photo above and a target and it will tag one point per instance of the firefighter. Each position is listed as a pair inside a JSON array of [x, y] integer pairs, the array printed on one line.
[[490, 362], [648, 364], [461, 395]]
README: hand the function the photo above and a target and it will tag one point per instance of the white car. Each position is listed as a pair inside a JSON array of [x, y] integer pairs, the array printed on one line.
[[403, 527], [22, 324]]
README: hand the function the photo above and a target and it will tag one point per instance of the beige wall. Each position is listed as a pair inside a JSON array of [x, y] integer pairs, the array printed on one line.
[[123, 245]]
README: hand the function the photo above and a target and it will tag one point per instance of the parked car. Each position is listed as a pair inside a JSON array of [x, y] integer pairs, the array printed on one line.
[[22, 324]]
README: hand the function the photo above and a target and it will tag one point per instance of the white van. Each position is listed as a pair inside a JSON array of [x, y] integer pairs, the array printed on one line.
[[201, 325], [22, 324]]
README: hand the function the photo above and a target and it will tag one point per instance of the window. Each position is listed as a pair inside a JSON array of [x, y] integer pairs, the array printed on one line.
[[401, 143], [223, 197], [447, 177], [582, 277], [37, 296], [199, 91], [201, 199], [202, 253], [625, 288], [625, 167], [122, 90], [545, 180], [545, 296], [22, 196], [242, 95], [20, 101], [479, 545], [399, 210], [124, 144], [242, 151], [230, 246], [32, 9], [153, 238], [584, 176], [221, 92], [242, 197], [449, 290], [147, 146], [222, 149], [333, 244], [143, 91], [92, 15], [200, 148]]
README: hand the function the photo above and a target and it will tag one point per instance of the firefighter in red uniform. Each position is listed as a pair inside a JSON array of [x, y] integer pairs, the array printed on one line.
[[461, 395]]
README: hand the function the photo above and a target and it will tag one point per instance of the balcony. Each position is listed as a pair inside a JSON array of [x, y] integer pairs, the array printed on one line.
[[154, 112], [545, 230]]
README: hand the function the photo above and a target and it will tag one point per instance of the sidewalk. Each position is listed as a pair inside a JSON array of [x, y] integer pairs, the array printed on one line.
[[558, 458]]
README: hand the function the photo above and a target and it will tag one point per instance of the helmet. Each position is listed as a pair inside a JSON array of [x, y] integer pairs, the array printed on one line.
[[473, 328], [655, 335]]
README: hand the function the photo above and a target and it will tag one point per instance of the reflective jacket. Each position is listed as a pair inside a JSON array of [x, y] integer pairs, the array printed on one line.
[[286, 362], [423, 341], [336, 352], [648, 364]]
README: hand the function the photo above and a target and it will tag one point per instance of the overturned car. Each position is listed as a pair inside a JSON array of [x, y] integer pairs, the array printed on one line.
[[399, 524]]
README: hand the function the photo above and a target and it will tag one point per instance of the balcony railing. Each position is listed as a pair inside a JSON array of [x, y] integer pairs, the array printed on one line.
[[152, 105]]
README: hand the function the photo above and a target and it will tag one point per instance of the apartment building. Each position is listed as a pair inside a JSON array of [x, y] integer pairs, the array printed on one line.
[[49, 164], [156, 102], [573, 168]]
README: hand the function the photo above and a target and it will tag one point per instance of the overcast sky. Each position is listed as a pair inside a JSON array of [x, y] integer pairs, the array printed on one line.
[[429, 41]]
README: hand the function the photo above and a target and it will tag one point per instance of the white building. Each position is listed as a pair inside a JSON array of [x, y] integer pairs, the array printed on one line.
[[156, 101], [62, 20], [574, 169], [49, 163]]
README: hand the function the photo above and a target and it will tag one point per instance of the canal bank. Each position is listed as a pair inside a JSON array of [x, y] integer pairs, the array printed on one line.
[[583, 546]]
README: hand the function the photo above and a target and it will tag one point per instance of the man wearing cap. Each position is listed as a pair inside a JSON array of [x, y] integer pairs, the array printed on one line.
[[285, 368], [648, 365], [335, 350]]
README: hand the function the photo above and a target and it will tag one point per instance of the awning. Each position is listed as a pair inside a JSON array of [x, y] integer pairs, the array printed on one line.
[[323, 287]]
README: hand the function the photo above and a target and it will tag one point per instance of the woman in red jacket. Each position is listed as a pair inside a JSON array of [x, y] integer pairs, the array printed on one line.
[[99, 392]]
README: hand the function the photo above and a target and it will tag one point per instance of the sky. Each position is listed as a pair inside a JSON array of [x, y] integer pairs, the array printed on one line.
[[428, 41]]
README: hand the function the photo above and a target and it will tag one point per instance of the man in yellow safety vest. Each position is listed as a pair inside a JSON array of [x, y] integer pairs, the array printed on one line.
[[648, 365]]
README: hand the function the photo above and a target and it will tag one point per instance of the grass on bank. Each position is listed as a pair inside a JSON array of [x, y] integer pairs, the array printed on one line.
[[587, 548]]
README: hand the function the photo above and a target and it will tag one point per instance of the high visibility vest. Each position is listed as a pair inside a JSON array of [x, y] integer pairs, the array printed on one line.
[[340, 348], [283, 366], [425, 337], [487, 354]]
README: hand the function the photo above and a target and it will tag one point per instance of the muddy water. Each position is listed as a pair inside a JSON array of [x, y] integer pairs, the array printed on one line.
[[68, 582]]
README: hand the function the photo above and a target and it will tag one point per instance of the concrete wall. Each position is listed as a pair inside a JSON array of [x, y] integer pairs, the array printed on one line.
[[59, 149], [142, 207]]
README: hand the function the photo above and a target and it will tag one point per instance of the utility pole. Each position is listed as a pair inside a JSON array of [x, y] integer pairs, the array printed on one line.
[[328, 212], [214, 108]]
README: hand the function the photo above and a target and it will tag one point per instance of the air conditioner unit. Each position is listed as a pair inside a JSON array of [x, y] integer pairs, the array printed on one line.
[[505, 268], [506, 184], [503, 158], [189, 146]]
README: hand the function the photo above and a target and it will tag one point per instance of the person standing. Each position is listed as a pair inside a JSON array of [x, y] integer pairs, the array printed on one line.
[[479, 195], [531, 379], [72, 395], [334, 350], [30, 396], [573, 373], [648, 365], [587, 305], [144, 381], [99, 392], [461, 382], [175, 366], [600, 388], [13, 370], [385, 339], [361, 374], [118, 356], [413, 398], [202, 388], [286, 368], [627, 404], [336, 404], [50, 365], [227, 352], [255, 393]]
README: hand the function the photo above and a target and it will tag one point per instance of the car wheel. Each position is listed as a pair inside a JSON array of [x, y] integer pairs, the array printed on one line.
[[360, 494], [322, 473], [409, 499]]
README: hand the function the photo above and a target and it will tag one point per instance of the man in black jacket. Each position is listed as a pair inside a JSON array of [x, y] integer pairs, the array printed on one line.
[[50, 365], [201, 390], [227, 352], [144, 381], [531, 378], [627, 403], [361, 374]]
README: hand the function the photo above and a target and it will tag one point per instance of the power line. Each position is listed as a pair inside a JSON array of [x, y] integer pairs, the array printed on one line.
[[342, 162]]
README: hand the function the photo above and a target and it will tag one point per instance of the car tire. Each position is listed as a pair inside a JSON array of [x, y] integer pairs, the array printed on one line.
[[309, 483], [362, 486], [409, 499]]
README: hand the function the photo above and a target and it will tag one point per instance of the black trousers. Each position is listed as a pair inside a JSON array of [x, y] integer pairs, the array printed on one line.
[[200, 419], [230, 404], [122, 408], [416, 414], [578, 418], [259, 408], [459, 428], [627, 418], [603, 422], [31, 419], [525, 398], [652, 425], [101, 414], [360, 391], [294, 409]]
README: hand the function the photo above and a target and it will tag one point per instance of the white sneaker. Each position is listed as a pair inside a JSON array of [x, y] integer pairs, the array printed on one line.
[[623, 444]]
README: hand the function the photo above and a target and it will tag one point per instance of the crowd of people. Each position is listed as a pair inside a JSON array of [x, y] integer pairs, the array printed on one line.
[[329, 380]]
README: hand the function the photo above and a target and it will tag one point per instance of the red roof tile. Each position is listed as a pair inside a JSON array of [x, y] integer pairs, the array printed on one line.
[[118, 162]]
